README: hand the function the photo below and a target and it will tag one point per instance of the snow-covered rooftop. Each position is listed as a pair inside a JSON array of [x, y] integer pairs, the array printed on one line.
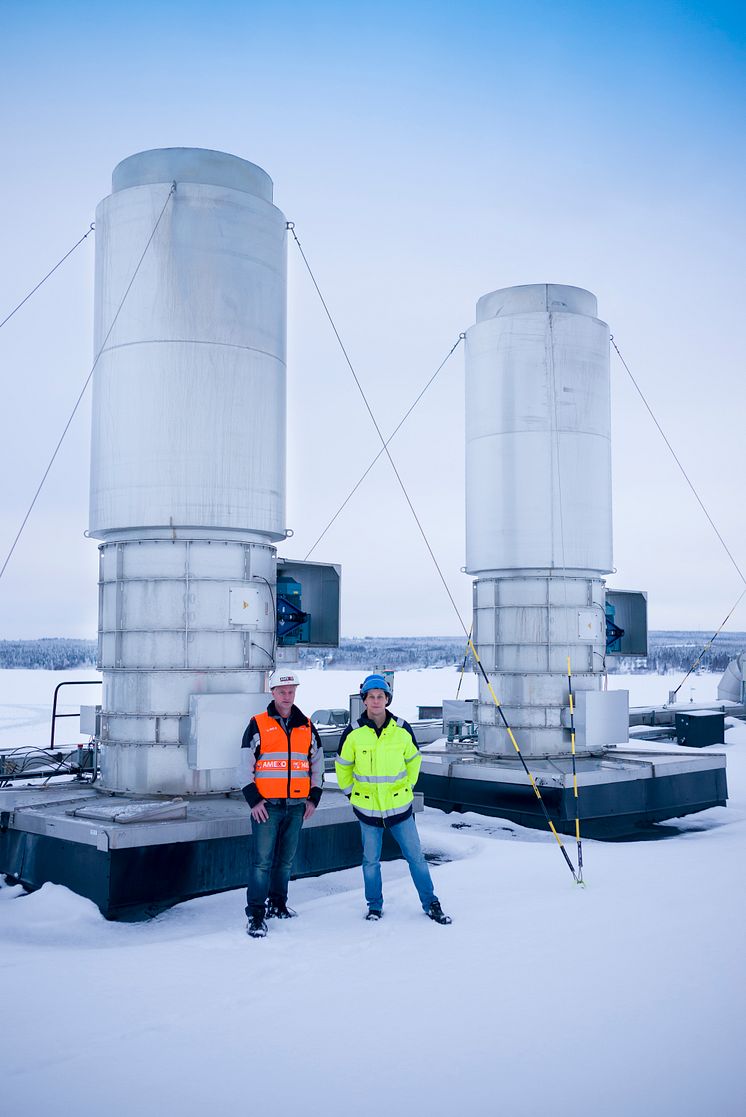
[[542, 998]]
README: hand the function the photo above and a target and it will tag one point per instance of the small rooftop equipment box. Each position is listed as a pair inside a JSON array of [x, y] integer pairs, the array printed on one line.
[[700, 728]]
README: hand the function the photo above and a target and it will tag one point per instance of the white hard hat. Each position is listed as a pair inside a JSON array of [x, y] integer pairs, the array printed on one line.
[[283, 678]]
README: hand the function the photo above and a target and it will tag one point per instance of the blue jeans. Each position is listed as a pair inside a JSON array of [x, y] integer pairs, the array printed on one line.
[[408, 841], [273, 846]]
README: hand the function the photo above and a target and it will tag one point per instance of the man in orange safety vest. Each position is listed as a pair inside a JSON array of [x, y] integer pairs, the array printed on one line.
[[286, 776]]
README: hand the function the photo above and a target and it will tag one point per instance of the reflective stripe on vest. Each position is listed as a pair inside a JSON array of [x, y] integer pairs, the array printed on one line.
[[380, 779], [384, 767], [283, 768]]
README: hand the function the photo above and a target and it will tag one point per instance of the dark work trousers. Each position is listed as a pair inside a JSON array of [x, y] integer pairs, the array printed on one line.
[[273, 846]]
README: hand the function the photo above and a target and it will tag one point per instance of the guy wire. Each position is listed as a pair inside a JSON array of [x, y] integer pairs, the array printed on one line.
[[46, 277], [401, 423], [513, 741], [574, 774], [291, 228], [85, 385], [463, 665], [741, 575], [699, 500], [384, 444], [710, 642]]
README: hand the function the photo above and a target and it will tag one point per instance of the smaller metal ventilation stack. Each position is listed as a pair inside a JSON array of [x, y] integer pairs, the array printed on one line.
[[538, 541], [538, 506]]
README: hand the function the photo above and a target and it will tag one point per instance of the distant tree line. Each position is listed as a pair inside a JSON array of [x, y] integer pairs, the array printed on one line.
[[51, 654], [677, 651], [667, 659], [388, 652], [668, 651]]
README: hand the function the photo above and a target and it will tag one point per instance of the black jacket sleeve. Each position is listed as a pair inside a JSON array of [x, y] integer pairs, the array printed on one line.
[[251, 741]]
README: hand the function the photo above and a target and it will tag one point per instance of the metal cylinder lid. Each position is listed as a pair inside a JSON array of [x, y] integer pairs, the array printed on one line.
[[191, 164], [536, 296]]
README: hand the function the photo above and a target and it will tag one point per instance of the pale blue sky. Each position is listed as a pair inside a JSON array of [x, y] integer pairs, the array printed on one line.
[[428, 154]]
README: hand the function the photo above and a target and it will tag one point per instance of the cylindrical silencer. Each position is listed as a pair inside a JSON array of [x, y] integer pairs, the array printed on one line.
[[189, 388], [538, 433]]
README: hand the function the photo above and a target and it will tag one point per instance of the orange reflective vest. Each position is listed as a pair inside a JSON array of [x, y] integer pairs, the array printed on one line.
[[283, 769]]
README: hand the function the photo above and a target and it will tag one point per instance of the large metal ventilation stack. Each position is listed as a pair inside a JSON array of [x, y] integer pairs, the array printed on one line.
[[187, 461], [188, 501], [538, 507]]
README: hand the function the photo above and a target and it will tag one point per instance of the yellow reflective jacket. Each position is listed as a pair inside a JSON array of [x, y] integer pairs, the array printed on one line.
[[377, 769]]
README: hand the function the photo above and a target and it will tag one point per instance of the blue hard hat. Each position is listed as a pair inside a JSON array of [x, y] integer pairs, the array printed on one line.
[[375, 682]]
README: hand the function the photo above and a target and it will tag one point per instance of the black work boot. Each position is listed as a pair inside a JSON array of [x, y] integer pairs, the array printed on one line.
[[256, 927], [436, 913], [278, 909]]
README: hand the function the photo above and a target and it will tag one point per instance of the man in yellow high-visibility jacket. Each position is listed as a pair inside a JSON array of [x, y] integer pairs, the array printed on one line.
[[377, 767]]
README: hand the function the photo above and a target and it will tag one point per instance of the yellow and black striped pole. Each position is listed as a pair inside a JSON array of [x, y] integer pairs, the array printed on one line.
[[579, 878], [513, 741], [463, 665]]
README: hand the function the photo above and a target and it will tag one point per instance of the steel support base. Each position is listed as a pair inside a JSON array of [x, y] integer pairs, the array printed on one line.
[[620, 792], [134, 870]]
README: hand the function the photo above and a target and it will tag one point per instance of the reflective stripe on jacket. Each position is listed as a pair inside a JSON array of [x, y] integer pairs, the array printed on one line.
[[377, 769], [283, 769]]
